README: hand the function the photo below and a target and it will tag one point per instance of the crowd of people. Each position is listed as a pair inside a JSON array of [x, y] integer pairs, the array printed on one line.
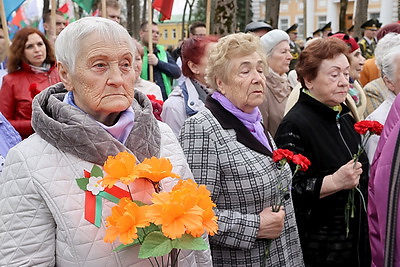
[[218, 108]]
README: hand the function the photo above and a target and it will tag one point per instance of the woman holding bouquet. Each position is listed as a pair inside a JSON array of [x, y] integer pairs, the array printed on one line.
[[230, 151], [321, 128], [93, 114]]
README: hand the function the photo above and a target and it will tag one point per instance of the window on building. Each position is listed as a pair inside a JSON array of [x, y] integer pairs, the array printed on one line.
[[300, 28], [374, 15], [173, 33], [165, 34], [321, 21], [283, 24]]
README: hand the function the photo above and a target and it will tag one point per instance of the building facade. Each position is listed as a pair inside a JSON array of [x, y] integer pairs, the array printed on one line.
[[171, 31], [313, 14]]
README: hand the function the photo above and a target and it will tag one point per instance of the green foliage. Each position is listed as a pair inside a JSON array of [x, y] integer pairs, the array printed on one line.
[[82, 183], [199, 14], [155, 244], [190, 242], [96, 171]]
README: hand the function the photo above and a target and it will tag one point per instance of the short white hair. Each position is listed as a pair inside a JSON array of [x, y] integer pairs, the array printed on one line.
[[386, 53], [70, 41], [390, 63]]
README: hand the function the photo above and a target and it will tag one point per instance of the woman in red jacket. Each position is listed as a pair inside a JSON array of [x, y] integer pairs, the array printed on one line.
[[31, 68]]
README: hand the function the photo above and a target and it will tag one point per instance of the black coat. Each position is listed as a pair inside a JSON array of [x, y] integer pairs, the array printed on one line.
[[312, 129]]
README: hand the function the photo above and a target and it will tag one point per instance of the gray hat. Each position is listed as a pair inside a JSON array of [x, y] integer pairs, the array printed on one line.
[[272, 39], [257, 25]]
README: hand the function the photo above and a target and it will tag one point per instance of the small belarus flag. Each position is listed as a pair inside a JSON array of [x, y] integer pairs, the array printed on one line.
[[165, 8]]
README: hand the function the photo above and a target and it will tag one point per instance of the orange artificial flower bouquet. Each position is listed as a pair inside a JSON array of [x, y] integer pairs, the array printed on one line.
[[160, 222]]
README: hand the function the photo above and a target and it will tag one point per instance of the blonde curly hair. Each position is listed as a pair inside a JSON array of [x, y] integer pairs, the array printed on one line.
[[229, 47]]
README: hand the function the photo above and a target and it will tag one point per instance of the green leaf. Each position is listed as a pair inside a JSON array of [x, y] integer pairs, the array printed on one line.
[[155, 244], [128, 245], [96, 171], [190, 242], [144, 231], [82, 183]]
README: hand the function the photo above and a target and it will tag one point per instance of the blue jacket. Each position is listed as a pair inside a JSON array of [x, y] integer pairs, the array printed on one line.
[[9, 137]]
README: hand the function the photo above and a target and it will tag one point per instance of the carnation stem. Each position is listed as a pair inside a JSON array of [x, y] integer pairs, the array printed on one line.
[[174, 262], [151, 262]]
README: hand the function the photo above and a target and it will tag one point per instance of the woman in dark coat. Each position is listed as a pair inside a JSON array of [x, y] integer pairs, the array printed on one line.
[[321, 128]]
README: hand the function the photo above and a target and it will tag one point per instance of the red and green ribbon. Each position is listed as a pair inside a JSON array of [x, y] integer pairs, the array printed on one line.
[[94, 203]]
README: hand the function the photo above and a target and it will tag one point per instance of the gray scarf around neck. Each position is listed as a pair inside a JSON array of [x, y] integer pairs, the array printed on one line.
[[75, 132]]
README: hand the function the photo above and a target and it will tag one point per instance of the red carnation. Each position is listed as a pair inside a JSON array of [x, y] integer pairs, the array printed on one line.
[[374, 127], [33, 88], [157, 106], [281, 154], [301, 161]]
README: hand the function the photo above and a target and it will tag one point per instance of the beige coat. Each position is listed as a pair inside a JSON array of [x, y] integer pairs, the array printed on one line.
[[276, 95]]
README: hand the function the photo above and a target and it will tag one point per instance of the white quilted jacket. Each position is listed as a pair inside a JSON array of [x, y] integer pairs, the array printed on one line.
[[41, 207]]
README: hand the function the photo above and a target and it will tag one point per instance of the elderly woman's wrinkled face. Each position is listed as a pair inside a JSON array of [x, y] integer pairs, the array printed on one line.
[[331, 85], [35, 50], [246, 82], [393, 84], [356, 64], [103, 79], [280, 58]]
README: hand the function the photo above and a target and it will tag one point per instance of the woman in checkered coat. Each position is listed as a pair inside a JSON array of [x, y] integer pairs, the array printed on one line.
[[229, 150]]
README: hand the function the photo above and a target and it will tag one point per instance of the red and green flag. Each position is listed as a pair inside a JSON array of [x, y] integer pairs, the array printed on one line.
[[164, 7], [85, 4]]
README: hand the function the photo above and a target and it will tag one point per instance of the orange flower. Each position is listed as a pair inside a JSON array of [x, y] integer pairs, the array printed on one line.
[[118, 167], [179, 211], [159, 169], [124, 221], [209, 218], [136, 173]]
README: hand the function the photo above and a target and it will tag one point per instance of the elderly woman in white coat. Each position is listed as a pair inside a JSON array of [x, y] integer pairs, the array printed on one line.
[[276, 47], [92, 114]]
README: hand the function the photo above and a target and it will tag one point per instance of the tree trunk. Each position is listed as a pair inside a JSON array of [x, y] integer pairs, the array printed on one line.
[[190, 12], [144, 12], [129, 16], [136, 19], [342, 15], [272, 12], [183, 20], [361, 15], [46, 4], [225, 17]]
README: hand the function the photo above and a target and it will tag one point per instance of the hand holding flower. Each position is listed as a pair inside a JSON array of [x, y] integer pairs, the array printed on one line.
[[271, 223], [348, 176]]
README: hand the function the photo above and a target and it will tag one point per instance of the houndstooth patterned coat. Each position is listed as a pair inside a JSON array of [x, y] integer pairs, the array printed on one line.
[[242, 177]]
